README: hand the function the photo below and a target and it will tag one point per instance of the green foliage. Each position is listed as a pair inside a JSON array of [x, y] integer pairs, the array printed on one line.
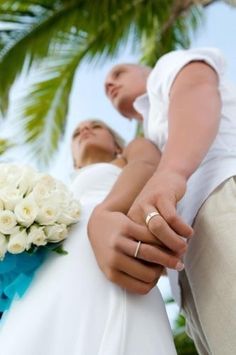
[[5, 144], [184, 345], [56, 36]]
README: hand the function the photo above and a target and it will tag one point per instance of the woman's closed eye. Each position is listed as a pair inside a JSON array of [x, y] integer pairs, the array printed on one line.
[[97, 125], [76, 133]]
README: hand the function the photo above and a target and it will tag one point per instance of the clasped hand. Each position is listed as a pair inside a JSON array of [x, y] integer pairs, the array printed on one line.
[[114, 236]]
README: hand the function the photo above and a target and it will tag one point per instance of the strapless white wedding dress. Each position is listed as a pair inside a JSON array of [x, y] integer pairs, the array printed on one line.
[[72, 309]]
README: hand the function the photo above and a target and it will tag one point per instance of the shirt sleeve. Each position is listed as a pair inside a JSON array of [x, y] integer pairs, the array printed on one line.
[[168, 66]]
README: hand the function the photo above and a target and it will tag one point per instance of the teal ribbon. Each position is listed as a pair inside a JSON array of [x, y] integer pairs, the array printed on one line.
[[16, 274]]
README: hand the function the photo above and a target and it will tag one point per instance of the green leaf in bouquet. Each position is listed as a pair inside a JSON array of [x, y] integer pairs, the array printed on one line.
[[56, 247], [60, 250], [32, 249]]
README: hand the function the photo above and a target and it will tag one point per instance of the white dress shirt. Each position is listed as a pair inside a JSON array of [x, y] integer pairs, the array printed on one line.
[[220, 162]]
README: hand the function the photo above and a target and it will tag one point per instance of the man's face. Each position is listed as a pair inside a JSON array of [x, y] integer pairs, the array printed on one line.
[[123, 84]]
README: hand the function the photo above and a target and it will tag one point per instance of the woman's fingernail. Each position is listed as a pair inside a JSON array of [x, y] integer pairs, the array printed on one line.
[[179, 266]]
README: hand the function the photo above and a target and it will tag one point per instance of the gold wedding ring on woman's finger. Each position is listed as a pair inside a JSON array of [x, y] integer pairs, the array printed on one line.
[[137, 249], [150, 215]]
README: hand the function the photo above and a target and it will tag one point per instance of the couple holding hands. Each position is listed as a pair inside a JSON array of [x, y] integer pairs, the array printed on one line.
[[165, 202]]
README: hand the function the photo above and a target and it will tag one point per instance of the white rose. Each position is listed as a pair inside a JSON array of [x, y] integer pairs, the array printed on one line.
[[12, 170], [1, 205], [36, 236], [62, 198], [63, 188], [47, 214], [3, 179], [46, 180], [7, 179], [61, 185], [7, 222], [16, 176], [75, 209], [3, 246], [26, 212], [72, 214], [13, 173], [27, 179], [10, 197], [17, 242], [66, 218], [56, 233], [41, 193]]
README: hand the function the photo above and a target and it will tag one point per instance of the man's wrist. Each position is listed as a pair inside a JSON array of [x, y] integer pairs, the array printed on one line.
[[170, 171]]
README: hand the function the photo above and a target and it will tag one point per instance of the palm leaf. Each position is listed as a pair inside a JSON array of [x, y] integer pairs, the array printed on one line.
[[35, 25], [169, 35], [43, 111], [5, 145], [55, 36]]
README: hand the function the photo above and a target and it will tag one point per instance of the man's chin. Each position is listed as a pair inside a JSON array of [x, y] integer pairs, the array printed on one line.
[[123, 111], [131, 115]]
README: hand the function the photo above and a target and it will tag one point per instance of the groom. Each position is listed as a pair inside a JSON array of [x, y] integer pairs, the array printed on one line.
[[189, 112]]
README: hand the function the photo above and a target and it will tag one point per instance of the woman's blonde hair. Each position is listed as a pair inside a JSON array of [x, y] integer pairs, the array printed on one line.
[[117, 138]]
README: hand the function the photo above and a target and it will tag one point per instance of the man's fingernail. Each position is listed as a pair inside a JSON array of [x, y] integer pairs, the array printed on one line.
[[179, 266]]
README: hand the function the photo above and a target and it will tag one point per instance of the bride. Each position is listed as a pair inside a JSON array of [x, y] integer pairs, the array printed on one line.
[[70, 307]]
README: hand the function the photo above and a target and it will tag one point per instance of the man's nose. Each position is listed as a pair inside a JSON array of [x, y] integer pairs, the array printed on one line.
[[108, 87]]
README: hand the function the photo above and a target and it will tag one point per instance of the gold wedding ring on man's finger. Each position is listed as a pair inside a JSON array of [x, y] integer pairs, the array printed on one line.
[[150, 215]]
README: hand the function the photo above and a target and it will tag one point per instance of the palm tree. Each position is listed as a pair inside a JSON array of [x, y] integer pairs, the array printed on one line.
[[53, 37]]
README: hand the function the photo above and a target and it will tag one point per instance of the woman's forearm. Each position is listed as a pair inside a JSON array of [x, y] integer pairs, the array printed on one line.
[[142, 160], [129, 184]]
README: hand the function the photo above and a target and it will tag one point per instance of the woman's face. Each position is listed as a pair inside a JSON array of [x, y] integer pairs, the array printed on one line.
[[93, 138]]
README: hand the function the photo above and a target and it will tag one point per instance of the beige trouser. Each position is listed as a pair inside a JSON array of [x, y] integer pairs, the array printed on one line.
[[208, 282]]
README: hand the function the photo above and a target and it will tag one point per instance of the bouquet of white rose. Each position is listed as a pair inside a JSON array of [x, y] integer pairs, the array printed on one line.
[[35, 209], [35, 213]]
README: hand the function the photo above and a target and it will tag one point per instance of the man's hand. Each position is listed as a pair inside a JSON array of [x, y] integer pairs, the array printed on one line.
[[114, 239], [161, 193]]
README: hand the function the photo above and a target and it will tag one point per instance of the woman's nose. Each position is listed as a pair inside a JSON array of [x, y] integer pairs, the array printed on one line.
[[84, 128]]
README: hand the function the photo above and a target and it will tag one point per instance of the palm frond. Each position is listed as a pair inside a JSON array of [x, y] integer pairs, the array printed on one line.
[[43, 112], [56, 36], [38, 23], [174, 32], [34, 25], [5, 145]]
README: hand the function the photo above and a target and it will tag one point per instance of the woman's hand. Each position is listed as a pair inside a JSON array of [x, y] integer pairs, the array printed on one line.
[[114, 239]]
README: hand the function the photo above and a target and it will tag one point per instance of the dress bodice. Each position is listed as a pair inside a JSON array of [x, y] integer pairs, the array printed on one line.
[[92, 183]]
